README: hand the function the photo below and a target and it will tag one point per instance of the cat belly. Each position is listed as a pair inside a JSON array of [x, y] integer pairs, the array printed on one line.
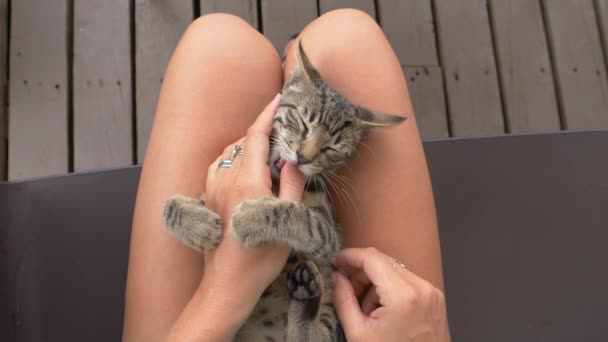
[[268, 321]]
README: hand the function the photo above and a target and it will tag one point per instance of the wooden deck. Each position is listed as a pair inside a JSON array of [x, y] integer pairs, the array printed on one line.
[[81, 77]]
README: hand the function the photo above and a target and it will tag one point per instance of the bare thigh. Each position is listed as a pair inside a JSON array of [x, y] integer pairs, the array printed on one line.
[[220, 77], [392, 205]]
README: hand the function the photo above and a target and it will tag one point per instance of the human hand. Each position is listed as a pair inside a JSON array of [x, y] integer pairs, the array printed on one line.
[[398, 305], [232, 271]]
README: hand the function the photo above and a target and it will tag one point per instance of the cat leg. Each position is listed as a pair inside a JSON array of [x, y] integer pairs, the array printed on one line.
[[309, 231], [192, 223], [311, 315]]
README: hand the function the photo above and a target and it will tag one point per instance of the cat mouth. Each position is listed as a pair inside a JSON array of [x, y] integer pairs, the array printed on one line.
[[278, 165]]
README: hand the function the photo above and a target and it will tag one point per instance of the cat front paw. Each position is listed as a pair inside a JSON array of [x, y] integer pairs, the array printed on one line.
[[304, 282], [251, 222], [192, 223]]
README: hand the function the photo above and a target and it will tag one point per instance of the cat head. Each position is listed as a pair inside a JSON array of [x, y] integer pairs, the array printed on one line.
[[315, 127]]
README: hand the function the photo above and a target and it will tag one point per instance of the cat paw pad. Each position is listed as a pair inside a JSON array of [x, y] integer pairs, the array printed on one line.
[[304, 282]]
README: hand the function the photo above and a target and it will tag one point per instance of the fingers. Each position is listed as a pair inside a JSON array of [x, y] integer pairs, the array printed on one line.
[[258, 135], [378, 270], [370, 302], [346, 304], [371, 261], [292, 183], [264, 122], [360, 282]]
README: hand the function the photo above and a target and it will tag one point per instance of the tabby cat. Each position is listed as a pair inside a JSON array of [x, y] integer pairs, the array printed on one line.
[[316, 129]]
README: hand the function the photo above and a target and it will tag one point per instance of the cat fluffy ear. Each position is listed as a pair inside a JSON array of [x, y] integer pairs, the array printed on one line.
[[370, 118], [309, 71]]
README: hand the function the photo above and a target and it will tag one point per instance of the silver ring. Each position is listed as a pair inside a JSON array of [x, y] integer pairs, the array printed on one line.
[[398, 263], [224, 164], [236, 151]]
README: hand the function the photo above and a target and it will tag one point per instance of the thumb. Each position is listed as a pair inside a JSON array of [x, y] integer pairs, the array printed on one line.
[[347, 306], [292, 183]]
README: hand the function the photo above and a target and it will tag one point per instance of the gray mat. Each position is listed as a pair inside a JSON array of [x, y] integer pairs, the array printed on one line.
[[523, 222]]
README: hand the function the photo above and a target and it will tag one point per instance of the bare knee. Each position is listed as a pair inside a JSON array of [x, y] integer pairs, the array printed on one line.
[[223, 55], [341, 36], [349, 26], [353, 55], [228, 37], [220, 25]]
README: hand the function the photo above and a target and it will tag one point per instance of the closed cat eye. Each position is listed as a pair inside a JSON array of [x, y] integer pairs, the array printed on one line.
[[326, 148]]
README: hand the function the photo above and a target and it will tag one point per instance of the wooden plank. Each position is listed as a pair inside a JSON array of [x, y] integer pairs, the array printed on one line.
[[425, 85], [409, 27], [469, 67], [579, 63], [3, 86], [102, 85], [246, 9], [527, 83], [38, 84], [601, 7], [366, 6], [282, 18], [158, 27]]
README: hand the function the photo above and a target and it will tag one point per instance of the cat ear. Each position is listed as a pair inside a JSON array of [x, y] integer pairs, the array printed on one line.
[[304, 64], [372, 119]]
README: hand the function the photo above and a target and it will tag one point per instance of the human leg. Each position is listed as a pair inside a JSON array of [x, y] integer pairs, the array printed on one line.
[[220, 77], [394, 208]]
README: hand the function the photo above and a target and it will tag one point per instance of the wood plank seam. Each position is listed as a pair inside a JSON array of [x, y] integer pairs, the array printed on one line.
[[602, 27], [527, 84], [133, 82], [5, 10], [158, 28], [70, 88], [505, 117], [444, 74], [260, 25], [558, 90], [246, 9], [377, 12], [425, 88], [196, 9], [470, 65], [281, 19], [580, 64]]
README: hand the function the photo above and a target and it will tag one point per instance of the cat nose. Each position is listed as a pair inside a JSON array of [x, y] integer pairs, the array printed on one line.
[[301, 160]]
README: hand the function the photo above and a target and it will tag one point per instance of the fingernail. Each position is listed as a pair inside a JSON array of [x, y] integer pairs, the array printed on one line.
[[278, 95]]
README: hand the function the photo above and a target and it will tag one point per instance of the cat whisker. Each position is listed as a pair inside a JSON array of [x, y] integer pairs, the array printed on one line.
[[368, 147], [337, 189], [324, 186], [344, 180], [346, 193]]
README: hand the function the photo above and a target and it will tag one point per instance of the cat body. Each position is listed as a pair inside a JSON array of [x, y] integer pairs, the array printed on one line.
[[317, 129]]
